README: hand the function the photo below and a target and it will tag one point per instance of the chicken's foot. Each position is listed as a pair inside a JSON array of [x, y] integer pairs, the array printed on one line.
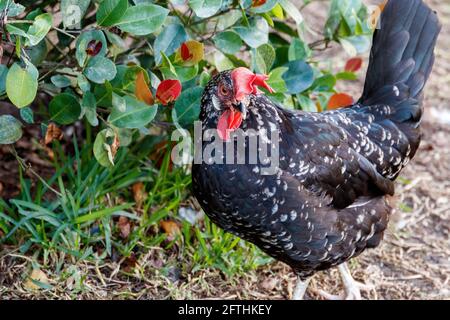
[[351, 286]]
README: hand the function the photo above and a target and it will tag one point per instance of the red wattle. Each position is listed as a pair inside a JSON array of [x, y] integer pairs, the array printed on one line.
[[229, 121]]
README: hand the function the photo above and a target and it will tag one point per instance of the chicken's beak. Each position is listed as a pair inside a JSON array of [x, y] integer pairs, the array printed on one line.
[[242, 109]]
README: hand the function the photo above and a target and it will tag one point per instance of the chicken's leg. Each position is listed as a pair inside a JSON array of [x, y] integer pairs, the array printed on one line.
[[352, 288], [300, 289]]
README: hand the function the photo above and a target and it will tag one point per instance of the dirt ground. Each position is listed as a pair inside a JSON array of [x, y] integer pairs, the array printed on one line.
[[413, 261]]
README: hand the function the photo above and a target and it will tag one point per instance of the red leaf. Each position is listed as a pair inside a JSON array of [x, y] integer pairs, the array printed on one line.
[[339, 100], [191, 52], [185, 53], [53, 133], [170, 228], [138, 193], [168, 91], [142, 91], [94, 47], [124, 227], [353, 65], [257, 3]]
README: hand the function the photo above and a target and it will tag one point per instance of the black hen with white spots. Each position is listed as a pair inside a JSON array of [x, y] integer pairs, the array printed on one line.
[[326, 201]]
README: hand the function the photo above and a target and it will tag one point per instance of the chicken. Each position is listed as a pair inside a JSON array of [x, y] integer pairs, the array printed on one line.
[[327, 200]]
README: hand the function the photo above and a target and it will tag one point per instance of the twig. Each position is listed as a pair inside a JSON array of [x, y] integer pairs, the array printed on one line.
[[31, 22], [64, 32], [27, 167], [318, 43], [213, 16], [20, 21]]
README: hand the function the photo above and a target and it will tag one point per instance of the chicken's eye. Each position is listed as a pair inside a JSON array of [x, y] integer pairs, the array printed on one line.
[[224, 91]]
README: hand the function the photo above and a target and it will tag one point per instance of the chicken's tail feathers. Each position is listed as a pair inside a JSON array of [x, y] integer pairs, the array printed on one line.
[[402, 58]]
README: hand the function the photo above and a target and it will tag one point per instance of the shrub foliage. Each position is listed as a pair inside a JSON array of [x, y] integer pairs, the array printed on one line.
[[126, 65]]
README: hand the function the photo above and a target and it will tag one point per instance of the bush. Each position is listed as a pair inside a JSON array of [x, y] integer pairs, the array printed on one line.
[[124, 66]]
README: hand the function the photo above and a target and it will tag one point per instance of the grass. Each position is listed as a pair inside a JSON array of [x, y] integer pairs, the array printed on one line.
[[72, 217]]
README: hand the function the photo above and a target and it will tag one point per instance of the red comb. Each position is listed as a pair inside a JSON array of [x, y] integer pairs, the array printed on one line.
[[246, 82]]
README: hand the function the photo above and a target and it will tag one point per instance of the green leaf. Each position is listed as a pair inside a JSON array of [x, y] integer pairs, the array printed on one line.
[[27, 115], [169, 40], [10, 129], [73, 11], [299, 50], [355, 45], [137, 114], [277, 11], [100, 69], [60, 81], [110, 12], [118, 44], [130, 73], [306, 103], [102, 148], [39, 29], [125, 137], [14, 9], [298, 77], [167, 68], [89, 104], [186, 73], [256, 34], [83, 83], [334, 19], [229, 19], [13, 29], [119, 103], [205, 8], [325, 83], [83, 41], [143, 19], [21, 86], [37, 53], [187, 107], [282, 56], [64, 109], [295, 13], [204, 79], [268, 18], [350, 76], [349, 10], [236, 61], [276, 80], [228, 42], [221, 62], [33, 14], [3, 74], [283, 27], [103, 94], [31, 69], [264, 57]]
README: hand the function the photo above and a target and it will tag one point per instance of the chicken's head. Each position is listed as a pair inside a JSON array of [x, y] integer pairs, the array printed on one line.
[[227, 96]]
